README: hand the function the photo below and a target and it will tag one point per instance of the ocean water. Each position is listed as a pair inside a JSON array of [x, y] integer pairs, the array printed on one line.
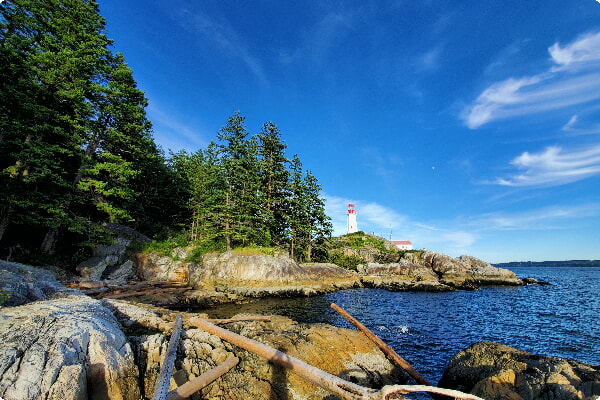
[[428, 329]]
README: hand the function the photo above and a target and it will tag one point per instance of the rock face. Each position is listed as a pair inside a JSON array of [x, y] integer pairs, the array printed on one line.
[[69, 348], [110, 261], [75, 348], [431, 271], [494, 371], [24, 284], [261, 275], [342, 352]]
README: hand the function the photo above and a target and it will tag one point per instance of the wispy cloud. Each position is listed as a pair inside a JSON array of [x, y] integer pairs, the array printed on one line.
[[430, 60], [221, 35], [573, 79], [545, 218], [171, 133], [554, 166]]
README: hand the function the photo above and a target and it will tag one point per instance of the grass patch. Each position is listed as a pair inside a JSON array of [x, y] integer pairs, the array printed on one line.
[[255, 251]]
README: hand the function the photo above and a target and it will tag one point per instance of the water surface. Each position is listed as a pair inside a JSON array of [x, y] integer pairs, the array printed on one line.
[[427, 329]]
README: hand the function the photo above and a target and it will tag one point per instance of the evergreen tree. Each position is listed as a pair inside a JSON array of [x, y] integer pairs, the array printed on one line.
[[242, 213], [299, 228], [75, 142], [274, 177], [62, 46], [318, 223]]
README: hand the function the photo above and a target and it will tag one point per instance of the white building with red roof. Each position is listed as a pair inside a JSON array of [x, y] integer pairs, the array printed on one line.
[[403, 244]]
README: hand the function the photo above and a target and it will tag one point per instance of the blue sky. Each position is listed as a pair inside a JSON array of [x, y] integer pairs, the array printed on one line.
[[466, 127]]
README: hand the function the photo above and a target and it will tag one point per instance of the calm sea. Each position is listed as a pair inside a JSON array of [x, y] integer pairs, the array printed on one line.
[[427, 329]]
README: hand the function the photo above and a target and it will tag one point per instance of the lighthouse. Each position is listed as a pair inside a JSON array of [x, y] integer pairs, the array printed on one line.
[[352, 227]]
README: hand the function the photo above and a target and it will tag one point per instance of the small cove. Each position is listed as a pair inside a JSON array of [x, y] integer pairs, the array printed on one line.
[[428, 329]]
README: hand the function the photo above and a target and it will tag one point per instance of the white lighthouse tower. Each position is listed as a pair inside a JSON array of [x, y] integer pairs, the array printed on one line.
[[352, 227]]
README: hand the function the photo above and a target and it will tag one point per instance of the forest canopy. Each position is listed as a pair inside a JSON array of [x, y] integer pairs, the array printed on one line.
[[77, 151]]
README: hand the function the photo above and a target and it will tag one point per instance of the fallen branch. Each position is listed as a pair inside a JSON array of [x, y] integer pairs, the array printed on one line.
[[336, 385], [189, 388], [387, 350], [237, 319], [166, 369], [144, 292]]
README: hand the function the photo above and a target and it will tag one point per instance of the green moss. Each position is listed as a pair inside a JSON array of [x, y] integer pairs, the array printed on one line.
[[3, 297]]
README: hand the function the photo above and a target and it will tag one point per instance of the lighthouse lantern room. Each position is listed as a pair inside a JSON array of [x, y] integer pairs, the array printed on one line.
[[352, 227]]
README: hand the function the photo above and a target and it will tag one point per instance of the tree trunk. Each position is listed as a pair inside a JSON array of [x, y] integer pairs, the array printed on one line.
[[5, 219], [49, 242], [227, 226], [292, 244]]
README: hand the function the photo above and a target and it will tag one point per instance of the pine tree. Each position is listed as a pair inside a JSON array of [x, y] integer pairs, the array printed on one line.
[[274, 177], [76, 146], [242, 203], [319, 224]]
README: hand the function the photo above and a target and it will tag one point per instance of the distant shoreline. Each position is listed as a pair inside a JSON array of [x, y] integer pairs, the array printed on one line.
[[568, 263]]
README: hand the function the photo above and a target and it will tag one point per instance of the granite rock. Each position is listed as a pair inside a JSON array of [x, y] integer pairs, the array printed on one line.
[[494, 371], [67, 348]]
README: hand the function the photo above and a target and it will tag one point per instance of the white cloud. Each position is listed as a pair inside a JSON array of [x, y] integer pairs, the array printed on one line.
[[554, 166], [584, 49], [430, 60], [573, 80], [381, 220], [545, 218]]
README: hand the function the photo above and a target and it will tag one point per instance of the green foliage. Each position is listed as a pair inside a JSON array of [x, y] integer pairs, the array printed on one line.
[[166, 246], [241, 193], [360, 240], [75, 145], [254, 251], [345, 261], [3, 297]]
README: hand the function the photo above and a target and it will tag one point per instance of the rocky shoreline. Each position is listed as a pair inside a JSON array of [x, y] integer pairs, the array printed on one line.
[[62, 344], [229, 277]]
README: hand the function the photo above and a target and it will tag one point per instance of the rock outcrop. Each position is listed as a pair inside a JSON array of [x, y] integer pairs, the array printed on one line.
[[68, 348], [262, 275], [77, 348], [494, 372], [20, 284], [342, 352], [110, 262], [435, 272]]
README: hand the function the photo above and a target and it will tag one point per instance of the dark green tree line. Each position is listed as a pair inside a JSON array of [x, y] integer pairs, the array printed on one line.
[[75, 144]]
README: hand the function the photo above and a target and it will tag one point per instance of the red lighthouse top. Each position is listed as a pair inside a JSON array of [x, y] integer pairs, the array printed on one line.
[[351, 209]]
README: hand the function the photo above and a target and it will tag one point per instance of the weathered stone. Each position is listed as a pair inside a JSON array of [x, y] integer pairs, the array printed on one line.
[[68, 348], [111, 256], [122, 274], [494, 372], [23, 284], [343, 352], [466, 272], [154, 267]]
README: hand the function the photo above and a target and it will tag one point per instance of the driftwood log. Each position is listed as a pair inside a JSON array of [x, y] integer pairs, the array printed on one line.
[[387, 350], [189, 388], [342, 388], [166, 369]]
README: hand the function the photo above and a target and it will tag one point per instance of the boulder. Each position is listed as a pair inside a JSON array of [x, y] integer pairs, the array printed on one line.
[[466, 272], [67, 348], [156, 267], [494, 371], [112, 256], [20, 284]]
